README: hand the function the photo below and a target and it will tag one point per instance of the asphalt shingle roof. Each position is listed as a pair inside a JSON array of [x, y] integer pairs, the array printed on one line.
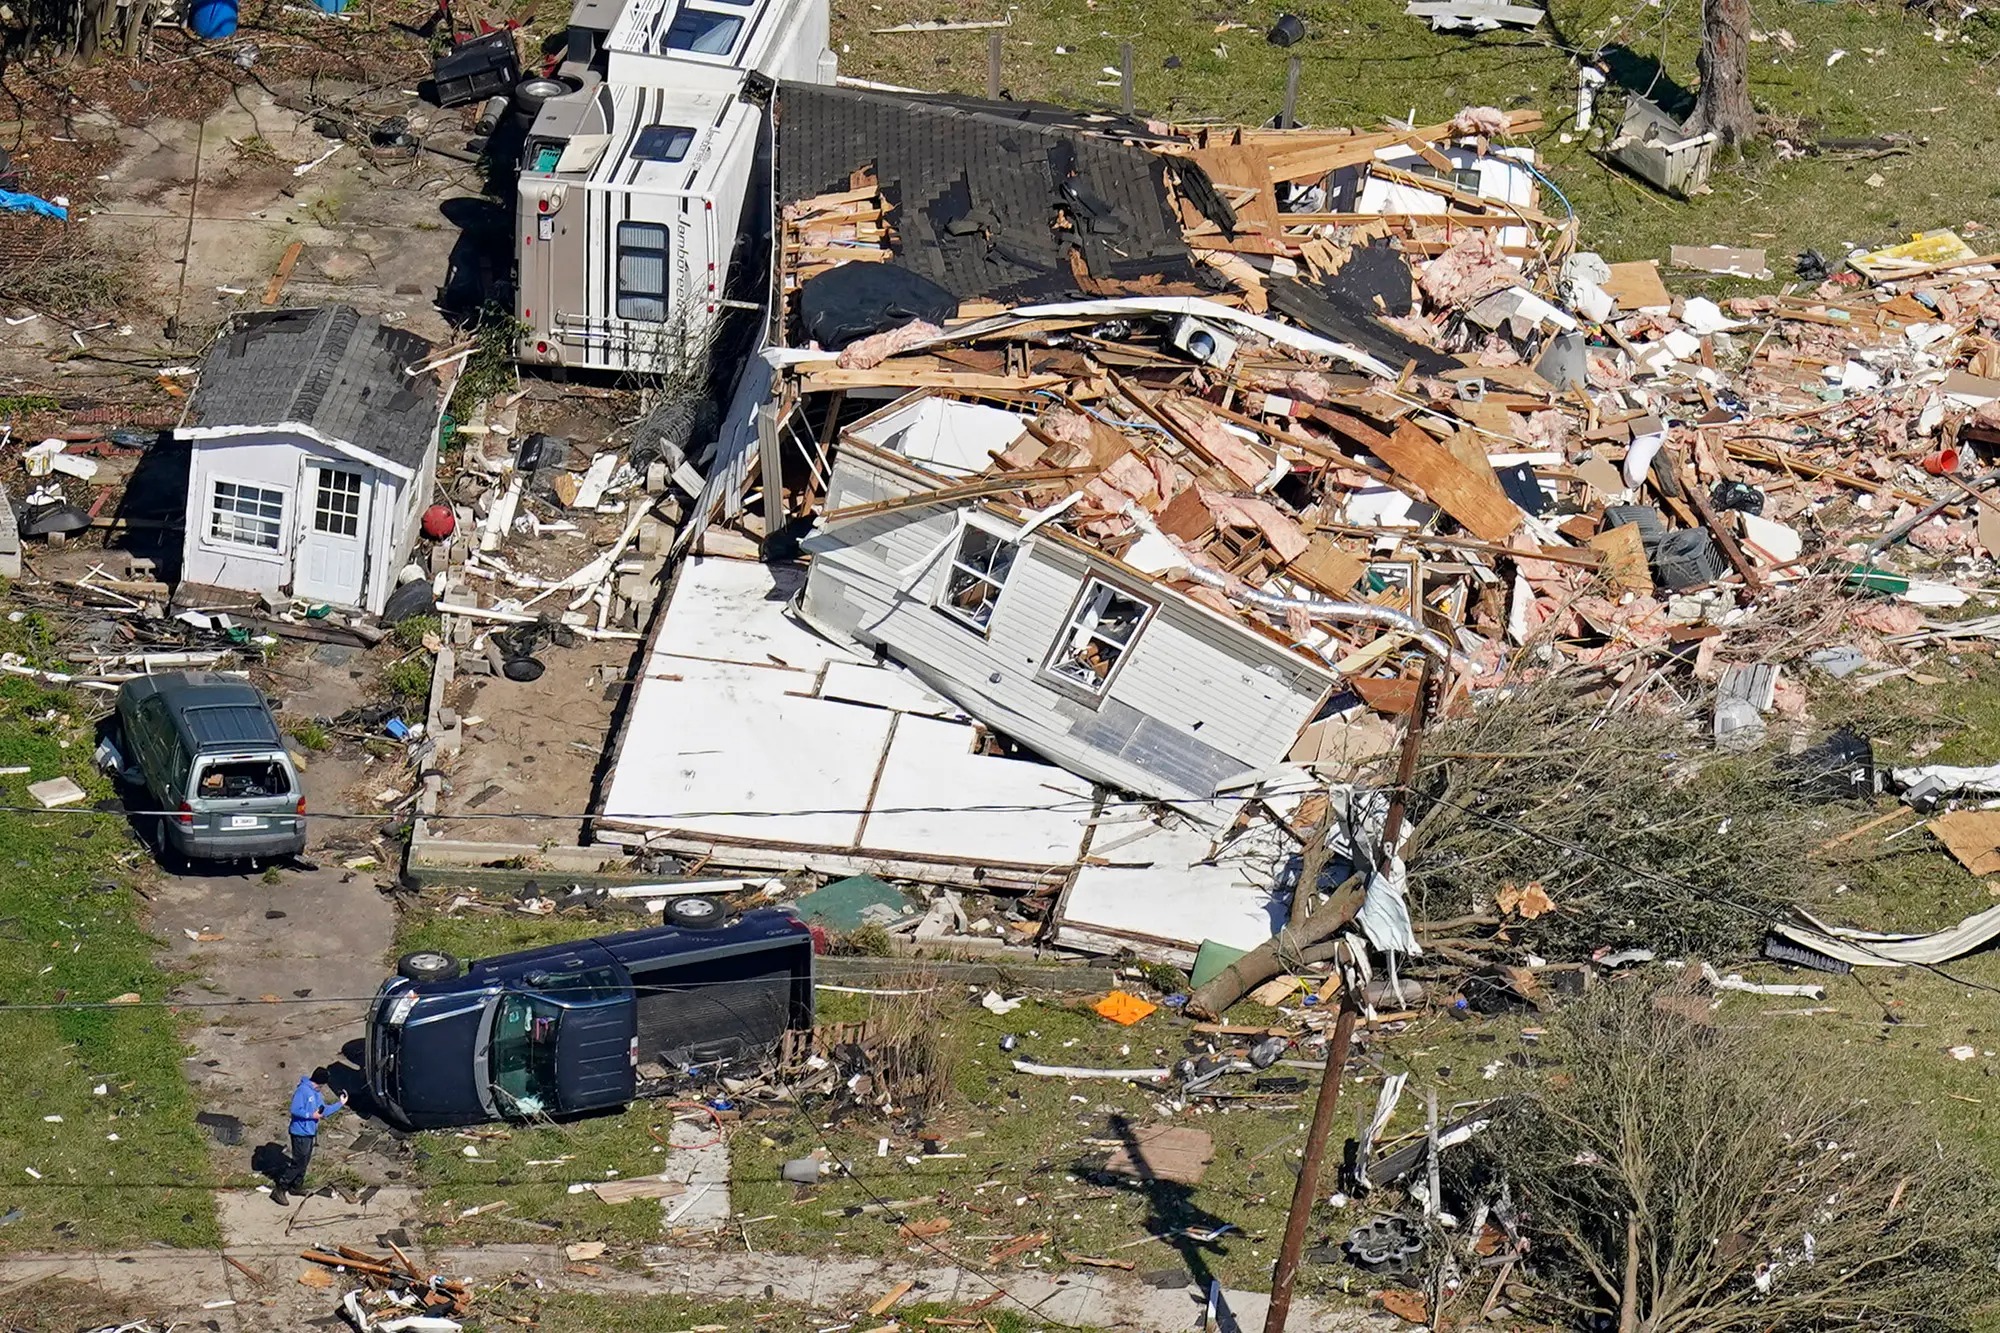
[[979, 188], [330, 368]]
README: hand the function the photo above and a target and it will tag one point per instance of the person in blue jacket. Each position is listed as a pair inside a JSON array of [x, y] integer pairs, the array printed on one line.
[[309, 1107]]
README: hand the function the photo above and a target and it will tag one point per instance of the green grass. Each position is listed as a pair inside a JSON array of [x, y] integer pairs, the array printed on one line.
[[410, 633], [309, 733], [69, 932], [1364, 61], [409, 678]]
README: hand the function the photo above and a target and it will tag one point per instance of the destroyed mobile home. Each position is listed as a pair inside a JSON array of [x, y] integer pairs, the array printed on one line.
[[1167, 455]]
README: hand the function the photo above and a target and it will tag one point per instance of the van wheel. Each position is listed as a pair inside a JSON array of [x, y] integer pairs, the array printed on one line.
[[427, 965], [164, 852], [696, 912]]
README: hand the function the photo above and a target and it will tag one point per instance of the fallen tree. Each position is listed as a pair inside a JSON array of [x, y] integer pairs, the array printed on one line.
[[1684, 1176]]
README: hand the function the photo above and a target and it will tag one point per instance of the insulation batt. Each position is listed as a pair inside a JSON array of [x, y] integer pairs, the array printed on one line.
[[867, 353]]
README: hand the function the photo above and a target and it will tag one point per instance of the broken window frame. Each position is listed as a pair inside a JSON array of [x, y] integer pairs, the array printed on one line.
[[960, 575], [641, 247], [250, 516], [1080, 631]]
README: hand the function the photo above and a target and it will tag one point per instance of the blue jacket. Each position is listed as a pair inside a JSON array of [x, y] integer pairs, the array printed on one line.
[[308, 1106]]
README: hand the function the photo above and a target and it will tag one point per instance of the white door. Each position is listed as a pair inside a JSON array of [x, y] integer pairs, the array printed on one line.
[[331, 564]]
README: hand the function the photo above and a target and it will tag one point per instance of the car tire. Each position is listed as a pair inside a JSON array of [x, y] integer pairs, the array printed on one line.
[[697, 911], [427, 965]]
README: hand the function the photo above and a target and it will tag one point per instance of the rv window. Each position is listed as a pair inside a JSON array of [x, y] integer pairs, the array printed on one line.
[[246, 515], [663, 143], [642, 270], [978, 572], [1100, 632], [702, 31]]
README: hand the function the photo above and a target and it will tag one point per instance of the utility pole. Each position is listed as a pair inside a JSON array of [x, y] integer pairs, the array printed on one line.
[[1287, 1270], [1308, 1186]]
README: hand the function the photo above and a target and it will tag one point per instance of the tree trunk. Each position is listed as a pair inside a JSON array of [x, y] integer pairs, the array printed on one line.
[[1628, 1301], [1723, 104]]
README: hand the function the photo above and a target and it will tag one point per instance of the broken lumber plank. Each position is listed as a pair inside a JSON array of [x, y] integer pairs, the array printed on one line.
[[283, 273], [624, 1191], [1092, 1261], [1015, 1248], [890, 1297], [813, 379], [247, 1270], [1470, 494], [978, 486]]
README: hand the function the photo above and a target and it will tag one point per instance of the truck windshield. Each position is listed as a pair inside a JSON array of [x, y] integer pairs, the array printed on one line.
[[523, 1054]]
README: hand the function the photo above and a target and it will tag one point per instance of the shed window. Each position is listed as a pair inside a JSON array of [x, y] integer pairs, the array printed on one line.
[[702, 31], [642, 270], [1100, 632], [247, 515], [978, 571], [337, 503], [663, 143]]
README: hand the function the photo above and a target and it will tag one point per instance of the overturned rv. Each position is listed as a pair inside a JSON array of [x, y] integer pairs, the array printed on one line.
[[639, 192]]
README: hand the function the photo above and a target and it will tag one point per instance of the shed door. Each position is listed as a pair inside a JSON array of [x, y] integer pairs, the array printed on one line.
[[331, 564]]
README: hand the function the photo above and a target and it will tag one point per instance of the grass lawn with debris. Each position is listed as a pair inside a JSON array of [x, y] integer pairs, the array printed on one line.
[[84, 1169], [1031, 1146], [1821, 70]]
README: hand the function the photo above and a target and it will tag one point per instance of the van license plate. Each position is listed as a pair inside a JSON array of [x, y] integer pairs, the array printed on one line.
[[245, 821]]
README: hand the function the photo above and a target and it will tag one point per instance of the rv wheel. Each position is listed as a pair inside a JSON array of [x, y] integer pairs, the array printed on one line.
[[427, 965], [696, 912]]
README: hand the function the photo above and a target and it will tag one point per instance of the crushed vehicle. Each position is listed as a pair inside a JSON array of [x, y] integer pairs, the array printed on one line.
[[204, 748], [587, 1025]]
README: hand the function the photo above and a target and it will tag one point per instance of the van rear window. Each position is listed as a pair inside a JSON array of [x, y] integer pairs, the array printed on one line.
[[245, 779]]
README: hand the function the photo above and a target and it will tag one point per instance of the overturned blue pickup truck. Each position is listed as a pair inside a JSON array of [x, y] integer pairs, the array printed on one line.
[[570, 1028]]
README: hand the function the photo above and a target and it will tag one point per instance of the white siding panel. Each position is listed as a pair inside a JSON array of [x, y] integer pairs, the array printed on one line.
[[1188, 672], [1185, 671]]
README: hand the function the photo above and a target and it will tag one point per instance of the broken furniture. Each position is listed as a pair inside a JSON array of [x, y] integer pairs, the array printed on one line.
[[1652, 146]]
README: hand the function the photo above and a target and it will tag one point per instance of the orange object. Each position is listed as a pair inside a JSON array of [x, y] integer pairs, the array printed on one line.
[[1942, 463], [1124, 1009]]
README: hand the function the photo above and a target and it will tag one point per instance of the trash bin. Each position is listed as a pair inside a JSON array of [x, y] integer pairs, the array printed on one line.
[[212, 20]]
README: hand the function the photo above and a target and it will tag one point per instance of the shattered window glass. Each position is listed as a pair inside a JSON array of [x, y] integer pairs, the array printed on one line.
[[1100, 632], [523, 1054], [978, 572]]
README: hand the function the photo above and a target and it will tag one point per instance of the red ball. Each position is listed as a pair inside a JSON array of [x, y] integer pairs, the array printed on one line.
[[439, 522]]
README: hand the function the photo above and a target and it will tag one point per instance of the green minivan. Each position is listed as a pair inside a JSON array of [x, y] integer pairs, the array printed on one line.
[[219, 784]]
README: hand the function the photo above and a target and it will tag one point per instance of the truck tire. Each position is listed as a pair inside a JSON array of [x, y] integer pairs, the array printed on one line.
[[697, 911], [427, 965]]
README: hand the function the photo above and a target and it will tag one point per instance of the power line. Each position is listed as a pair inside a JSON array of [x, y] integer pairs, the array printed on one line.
[[57, 1006]]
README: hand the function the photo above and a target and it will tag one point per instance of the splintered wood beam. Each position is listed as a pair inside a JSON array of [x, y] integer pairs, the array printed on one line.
[[975, 489]]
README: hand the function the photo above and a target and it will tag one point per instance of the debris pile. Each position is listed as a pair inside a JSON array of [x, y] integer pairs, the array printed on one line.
[[1450, 413], [396, 1295]]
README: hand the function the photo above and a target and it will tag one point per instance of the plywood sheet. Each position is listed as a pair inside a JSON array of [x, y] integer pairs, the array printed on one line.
[[1973, 836], [1637, 285], [1471, 494]]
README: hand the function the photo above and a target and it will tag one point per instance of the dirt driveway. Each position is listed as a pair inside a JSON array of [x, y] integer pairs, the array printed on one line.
[[299, 957]]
